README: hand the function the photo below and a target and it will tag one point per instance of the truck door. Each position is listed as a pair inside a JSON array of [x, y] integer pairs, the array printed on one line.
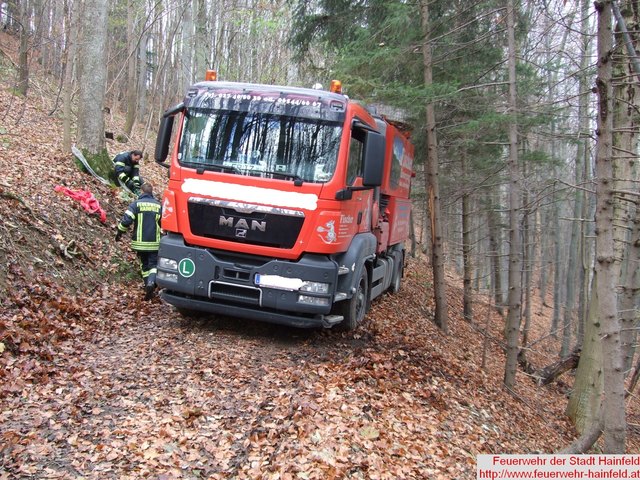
[[362, 199]]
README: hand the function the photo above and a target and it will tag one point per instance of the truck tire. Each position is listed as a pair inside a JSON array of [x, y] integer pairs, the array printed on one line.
[[397, 279], [354, 309]]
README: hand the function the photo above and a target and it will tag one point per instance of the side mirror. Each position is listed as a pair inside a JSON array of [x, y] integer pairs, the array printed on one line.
[[164, 134], [163, 140], [374, 152]]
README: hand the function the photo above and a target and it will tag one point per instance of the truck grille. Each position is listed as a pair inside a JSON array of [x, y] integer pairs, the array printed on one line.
[[234, 293], [251, 224]]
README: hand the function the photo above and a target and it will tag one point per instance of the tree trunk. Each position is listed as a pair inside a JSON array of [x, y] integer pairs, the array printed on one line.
[[23, 53], [13, 15], [584, 402], [55, 55], [219, 34], [575, 243], [43, 33], [160, 97], [92, 82], [412, 232], [202, 46], [515, 196], [585, 441], [549, 373], [425, 233], [142, 75], [466, 248], [625, 173], [630, 301], [545, 255], [558, 265], [583, 164], [571, 277], [71, 34], [437, 249], [131, 87], [186, 70], [528, 266], [607, 268], [493, 224], [634, 378]]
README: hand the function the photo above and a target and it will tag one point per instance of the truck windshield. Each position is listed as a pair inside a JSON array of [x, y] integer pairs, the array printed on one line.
[[260, 144]]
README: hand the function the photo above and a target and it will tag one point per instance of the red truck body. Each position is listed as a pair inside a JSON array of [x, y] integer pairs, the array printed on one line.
[[284, 204]]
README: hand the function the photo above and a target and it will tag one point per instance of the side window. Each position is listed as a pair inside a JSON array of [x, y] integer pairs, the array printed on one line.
[[396, 165], [356, 149]]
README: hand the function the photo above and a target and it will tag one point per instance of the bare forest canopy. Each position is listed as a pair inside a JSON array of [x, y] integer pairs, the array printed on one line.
[[525, 121]]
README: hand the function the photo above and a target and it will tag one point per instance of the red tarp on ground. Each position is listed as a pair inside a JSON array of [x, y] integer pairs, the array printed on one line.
[[86, 199]]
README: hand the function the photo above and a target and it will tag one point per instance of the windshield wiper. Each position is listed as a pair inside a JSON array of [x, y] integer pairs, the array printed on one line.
[[201, 167], [213, 166], [225, 168], [297, 180]]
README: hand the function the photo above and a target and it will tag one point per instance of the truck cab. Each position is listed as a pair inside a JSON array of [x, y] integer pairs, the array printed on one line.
[[283, 204]]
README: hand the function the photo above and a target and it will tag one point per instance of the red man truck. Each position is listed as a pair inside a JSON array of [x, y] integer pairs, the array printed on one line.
[[285, 205]]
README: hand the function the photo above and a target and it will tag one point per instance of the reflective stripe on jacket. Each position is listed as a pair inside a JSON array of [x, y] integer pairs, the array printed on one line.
[[145, 215]]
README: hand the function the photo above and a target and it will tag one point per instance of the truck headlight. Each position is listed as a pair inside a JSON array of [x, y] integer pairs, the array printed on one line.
[[315, 287], [309, 300], [167, 263], [167, 277]]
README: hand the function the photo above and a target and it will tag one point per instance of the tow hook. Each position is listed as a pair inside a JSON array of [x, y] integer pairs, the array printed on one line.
[[329, 321]]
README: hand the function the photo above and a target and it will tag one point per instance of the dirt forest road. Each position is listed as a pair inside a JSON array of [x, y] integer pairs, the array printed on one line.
[[159, 395], [149, 394]]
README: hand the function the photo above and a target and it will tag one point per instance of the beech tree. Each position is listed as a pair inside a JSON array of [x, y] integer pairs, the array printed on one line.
[[607, 269], [132, 67], [515, 243], [601, 371], [584, 401], [69, 56], [626, 81], [91, 81], [25, 32]]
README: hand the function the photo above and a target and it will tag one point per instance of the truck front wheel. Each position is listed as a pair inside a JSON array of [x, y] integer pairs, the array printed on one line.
[[397, 279], [354, 309]]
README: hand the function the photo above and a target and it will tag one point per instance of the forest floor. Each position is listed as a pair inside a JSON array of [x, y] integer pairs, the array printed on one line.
[[96, 383]]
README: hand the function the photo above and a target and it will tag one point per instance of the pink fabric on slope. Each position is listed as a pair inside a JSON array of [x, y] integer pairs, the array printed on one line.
[[86, 199]]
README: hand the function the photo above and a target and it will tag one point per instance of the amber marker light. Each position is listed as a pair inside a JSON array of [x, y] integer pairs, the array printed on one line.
[[336, 86], [211, 76]]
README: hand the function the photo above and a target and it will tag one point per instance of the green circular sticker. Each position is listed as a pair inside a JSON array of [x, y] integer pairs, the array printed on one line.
[[186, 267]]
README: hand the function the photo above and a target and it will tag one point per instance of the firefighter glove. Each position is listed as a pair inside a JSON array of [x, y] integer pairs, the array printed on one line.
[[118, 235]]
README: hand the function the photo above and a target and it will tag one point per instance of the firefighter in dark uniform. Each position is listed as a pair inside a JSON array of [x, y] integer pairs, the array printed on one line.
[[144, 214], [127, 169]]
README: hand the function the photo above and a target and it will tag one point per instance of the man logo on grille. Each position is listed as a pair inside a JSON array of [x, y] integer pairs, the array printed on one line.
[[242, 224], [241, 233]]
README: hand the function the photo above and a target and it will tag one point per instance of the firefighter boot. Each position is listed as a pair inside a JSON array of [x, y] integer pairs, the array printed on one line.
[[149, 289]]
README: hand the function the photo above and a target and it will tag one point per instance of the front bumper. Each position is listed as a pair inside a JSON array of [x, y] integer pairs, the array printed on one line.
[[277, 317], [225, 282]]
